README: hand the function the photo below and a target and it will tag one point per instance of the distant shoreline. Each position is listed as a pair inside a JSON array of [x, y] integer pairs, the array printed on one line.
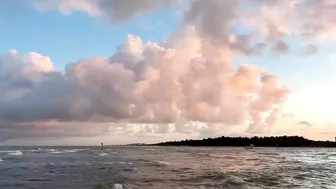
[[278, 141]]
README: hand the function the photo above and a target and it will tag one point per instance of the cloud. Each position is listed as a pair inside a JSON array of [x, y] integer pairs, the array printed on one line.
[[280, 47], [306, 123], [248, 26], [288, 115], [151, 83], [185, 84], [113, 10], [309, 49]]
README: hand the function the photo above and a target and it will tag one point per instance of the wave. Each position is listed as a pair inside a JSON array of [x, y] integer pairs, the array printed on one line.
[[103, 154], [162, 163], [103, 186], [34, 150], [1, 160], [71, 151], [150, 149], [233, 180], [117, 186], [14, 153], [223, 178], [55, 152], [74, 150], [202, 154]]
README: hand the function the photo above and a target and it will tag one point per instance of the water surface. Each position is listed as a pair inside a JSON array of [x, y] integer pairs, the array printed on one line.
[[167, 167]]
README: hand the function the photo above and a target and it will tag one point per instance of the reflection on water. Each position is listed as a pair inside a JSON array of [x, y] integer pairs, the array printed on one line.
[[167, 167]]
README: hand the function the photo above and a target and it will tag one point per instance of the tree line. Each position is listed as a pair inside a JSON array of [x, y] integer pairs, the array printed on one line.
[[280, 141]]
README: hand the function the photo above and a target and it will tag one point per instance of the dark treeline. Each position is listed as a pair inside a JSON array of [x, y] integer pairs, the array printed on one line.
[[281, 141]]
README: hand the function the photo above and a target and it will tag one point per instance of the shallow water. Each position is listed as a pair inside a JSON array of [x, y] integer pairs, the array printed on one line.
[[166, 167]]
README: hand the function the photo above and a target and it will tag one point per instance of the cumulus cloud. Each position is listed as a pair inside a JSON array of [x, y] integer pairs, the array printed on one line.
[[186, 83], [156, 84]]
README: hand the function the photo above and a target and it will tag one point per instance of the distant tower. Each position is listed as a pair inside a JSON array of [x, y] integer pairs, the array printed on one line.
[[102, 145]]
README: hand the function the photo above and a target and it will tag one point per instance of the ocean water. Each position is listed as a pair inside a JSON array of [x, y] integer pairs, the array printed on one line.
[[166, 167]]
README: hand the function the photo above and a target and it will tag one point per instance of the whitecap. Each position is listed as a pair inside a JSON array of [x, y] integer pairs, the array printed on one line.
[[53, 151], [117, 186], [34, 150], [56, 152], [150, 149], [14, 153], [103, 154], [74, 150], [1, 160], [162, 163]]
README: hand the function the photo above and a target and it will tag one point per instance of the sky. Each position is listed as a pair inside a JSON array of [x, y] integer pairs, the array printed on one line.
[[84, 71]]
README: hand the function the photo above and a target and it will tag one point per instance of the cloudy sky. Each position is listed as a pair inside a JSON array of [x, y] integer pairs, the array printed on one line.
[[78, 72]]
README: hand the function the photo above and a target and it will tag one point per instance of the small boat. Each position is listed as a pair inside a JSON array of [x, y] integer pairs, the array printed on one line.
[[251, 146]]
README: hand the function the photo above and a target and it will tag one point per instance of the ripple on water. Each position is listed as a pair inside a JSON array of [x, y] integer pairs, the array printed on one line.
[[190, 169], [220, 180]]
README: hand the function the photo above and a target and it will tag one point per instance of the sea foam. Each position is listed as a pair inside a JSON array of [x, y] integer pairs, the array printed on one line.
[[117, 186], [14, 153], [103, 154], [162, 163], [75, 150]]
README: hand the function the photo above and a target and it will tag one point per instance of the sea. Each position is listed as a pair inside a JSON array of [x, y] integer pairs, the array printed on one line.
[[150, 167]]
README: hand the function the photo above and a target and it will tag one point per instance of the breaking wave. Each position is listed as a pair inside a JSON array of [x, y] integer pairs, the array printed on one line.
[[14, 153], [224, 180], [162, 163], [103, 154], [117, 186], [150, 149], [103, 186], [75, 150]]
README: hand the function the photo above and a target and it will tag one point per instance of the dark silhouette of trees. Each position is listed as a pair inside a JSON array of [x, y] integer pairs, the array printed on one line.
[[280, 141]]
